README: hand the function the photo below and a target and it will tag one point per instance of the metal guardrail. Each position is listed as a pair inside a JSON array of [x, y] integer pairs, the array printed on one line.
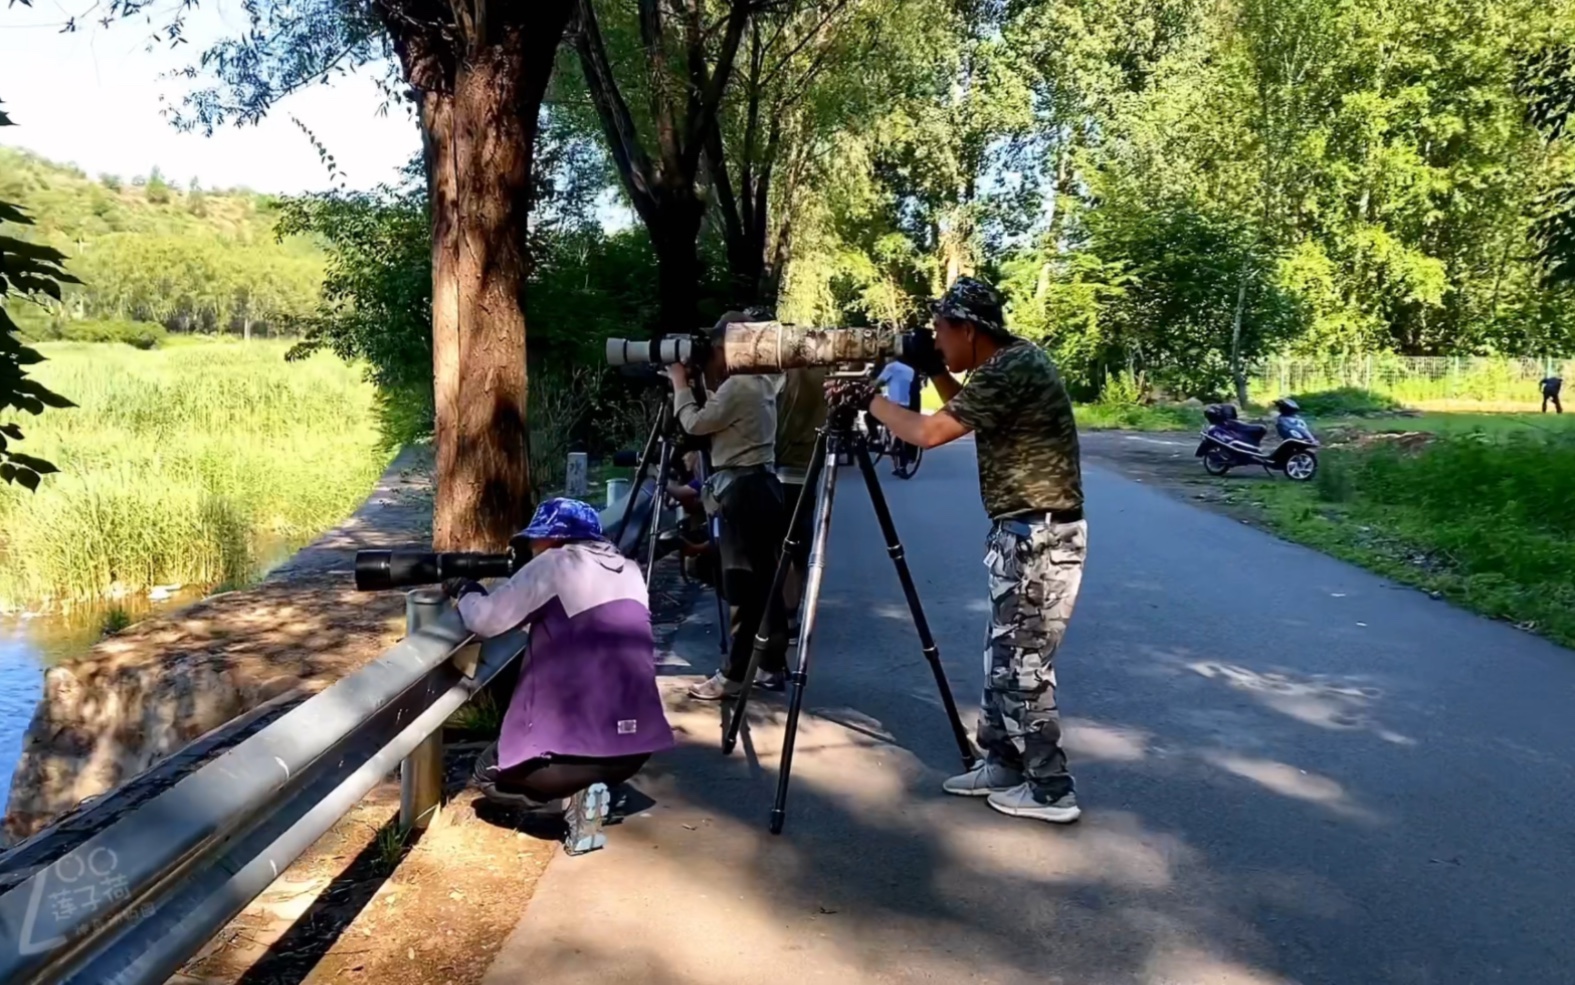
[[134, 900]]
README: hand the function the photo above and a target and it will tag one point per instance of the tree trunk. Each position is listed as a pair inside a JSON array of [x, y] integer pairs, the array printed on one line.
[[1237, 371], [675, 238], [479, 141]]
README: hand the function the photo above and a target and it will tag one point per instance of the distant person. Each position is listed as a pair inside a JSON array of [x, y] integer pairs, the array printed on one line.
[[585, 714], [1550, 391], [901, 388]]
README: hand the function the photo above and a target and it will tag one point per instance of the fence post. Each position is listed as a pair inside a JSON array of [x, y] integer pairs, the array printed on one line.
[[421, 773], [576, 475]]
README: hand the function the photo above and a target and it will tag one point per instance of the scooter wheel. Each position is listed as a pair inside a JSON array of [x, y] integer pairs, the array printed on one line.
[[1216, 464], [1301, 467]]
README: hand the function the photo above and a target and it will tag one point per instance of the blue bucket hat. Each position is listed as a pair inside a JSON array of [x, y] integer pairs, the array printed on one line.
[[564, 519]]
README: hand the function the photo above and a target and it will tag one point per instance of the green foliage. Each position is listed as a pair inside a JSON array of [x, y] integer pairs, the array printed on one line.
[[194, 261], [1481, 520], [1345, 402], [193, 464], [157, 190], [29, 272], [586, 285], [138, 335]]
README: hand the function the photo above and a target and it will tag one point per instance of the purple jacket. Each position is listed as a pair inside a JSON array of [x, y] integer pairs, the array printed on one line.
[[588, 684]]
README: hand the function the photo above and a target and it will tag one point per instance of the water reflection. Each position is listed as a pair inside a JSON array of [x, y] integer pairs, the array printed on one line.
[[28, 646]]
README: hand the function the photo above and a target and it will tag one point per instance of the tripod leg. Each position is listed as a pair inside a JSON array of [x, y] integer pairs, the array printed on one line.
[[647, 455], [659, 494], [714, 529], [774, 608], [899, 558], [824, 498]]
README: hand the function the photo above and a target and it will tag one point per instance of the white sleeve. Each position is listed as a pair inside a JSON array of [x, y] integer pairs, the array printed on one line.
[[514, 602]]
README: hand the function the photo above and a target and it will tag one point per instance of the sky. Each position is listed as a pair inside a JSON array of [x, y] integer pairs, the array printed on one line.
[[91, 98]]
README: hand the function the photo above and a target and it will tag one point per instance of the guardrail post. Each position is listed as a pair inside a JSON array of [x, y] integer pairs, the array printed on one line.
[[421, 773]]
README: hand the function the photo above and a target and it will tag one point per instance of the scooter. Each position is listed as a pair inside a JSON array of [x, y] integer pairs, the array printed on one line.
[[1230, 443]]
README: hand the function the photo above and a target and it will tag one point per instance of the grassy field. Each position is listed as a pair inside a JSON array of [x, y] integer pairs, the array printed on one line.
[[1481, 513], [190, 464]]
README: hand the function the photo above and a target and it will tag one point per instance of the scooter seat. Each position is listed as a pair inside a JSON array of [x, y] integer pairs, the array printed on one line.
[[1251, 433]]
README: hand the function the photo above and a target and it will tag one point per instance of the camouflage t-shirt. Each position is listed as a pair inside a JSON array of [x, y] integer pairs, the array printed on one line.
[[1021, 417]]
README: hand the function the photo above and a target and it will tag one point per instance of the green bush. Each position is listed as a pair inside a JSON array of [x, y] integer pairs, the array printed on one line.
[[1348, 401], [137, 334], [1487, 517]]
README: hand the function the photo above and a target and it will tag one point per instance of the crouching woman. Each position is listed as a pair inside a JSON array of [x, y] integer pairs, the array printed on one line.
[[586, 713]]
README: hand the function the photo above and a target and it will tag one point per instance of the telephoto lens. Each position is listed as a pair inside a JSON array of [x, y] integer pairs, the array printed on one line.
[[656, 352], [376, 571]]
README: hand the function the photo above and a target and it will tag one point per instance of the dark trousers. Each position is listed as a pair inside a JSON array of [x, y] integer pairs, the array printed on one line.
[[1558, 407], [754, 521], [564, 776]]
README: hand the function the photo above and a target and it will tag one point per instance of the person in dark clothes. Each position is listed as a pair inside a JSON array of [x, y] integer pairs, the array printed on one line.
[[740, 418], [801, 411], [1550, 391]]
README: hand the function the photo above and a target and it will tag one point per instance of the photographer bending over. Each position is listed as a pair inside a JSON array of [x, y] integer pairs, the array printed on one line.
[[740, 418], [585, 713], [1030, 478]]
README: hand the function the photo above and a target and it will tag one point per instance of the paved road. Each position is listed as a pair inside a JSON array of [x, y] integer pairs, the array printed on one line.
[[1293, 771]]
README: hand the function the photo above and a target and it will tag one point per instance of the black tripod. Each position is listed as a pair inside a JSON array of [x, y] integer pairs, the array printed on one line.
[[837, 437], [661, 446]]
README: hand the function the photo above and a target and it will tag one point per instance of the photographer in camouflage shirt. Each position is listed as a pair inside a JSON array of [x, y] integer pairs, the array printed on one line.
[[1030, 478]]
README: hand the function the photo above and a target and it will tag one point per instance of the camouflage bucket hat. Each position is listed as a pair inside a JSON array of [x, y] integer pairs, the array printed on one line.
[[971, 299]]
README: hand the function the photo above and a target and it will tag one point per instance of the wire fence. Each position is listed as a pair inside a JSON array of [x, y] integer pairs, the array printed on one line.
[[1423, 382]]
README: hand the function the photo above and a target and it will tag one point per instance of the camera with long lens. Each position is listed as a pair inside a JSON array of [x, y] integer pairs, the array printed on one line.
[[376, 571], [771, 347]]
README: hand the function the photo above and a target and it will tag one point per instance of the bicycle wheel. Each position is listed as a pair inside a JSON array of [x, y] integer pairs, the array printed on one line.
[[878, 441], [906, 470]]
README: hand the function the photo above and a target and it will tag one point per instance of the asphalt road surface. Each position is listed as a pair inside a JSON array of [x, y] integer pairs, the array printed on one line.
[[1292, 771]]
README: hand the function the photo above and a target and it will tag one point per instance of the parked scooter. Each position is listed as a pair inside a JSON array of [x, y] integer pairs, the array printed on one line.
[[1229, 442]]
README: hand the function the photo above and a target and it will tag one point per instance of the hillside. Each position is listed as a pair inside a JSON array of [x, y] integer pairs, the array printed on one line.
[[192, 259]]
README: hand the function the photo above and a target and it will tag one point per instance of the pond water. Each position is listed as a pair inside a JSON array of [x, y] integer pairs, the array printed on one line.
[[28, 646]]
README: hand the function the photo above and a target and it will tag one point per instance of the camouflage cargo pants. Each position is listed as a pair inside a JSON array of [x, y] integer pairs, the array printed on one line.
[[1035, 572]]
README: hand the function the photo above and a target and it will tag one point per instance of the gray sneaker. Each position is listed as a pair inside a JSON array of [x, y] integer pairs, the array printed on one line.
[[983, 780], [1021, 802], [587, 812], [715, 688]]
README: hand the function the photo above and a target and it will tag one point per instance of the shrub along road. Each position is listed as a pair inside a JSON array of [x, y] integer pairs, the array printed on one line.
[[1293, 771]]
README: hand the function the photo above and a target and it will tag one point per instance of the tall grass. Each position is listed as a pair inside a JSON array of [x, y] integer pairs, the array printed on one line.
[[187, 465], [1483, 518]]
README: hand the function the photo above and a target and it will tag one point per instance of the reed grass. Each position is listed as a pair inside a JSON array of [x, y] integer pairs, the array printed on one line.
[[187, 465]]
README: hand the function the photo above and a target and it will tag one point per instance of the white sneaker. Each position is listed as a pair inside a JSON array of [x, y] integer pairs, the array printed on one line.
[[585, 813], [1020, 801], [715, 688], [983, 780]]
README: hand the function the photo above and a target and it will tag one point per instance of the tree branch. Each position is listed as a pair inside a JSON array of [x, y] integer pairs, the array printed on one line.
[[703, 119], [623, 140], [656, 63]]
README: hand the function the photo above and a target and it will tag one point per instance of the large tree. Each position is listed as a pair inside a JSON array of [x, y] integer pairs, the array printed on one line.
[[677, 58], [476, 73]]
